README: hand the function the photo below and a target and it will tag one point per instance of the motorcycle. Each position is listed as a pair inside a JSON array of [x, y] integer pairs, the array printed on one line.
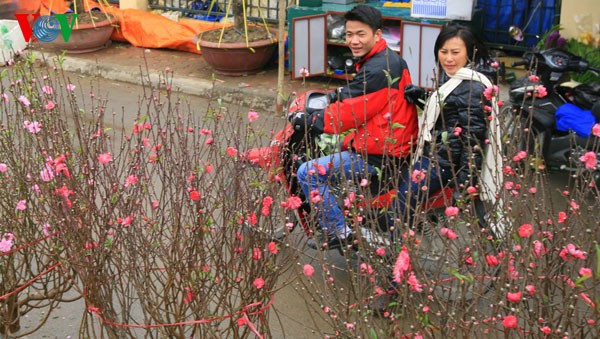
[[438, 257], [530, 111]]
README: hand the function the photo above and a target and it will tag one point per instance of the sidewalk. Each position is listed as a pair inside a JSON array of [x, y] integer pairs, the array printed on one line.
[[191, 74]]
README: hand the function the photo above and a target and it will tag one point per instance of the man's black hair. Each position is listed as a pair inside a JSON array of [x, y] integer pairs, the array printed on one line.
[[365, 14]]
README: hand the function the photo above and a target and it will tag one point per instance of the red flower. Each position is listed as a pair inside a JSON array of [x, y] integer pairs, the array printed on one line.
[[252, 219], [232, 152], [256, 254], [259, 283], [195, 195], [571, 253], [492, 260], [562, 216], [266, 205], [530, 289], [510, 321], [514, 297], [292, 203], [526, 230], [272, 247], [520, 156]]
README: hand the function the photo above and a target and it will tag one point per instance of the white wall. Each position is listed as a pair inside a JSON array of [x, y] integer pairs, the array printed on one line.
[[580, 16]]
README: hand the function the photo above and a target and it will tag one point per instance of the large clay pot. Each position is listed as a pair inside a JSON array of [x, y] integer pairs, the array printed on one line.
[[86, 37], [237, 58]]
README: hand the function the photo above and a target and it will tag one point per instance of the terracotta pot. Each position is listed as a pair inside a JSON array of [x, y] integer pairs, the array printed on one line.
[[237, 58], [86, 37]]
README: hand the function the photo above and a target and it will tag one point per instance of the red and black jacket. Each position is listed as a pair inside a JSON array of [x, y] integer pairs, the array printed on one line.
[[373, 106]]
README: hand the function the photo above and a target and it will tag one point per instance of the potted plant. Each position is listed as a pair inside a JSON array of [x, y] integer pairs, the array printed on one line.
[[92, 28], [240, 49]]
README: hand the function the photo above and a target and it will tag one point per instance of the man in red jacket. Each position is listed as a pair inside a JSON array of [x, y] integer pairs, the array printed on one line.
[[383, 124]]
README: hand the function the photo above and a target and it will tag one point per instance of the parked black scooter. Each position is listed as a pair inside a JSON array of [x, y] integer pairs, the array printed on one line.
[[537, 113]]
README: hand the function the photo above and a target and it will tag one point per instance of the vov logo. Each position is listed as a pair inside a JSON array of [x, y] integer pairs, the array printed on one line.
[[46, 27]]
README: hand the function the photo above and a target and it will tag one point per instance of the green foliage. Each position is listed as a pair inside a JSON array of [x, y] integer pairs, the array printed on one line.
[[589, 53]]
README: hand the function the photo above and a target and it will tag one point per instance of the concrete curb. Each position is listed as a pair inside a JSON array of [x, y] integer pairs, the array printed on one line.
[[250, 97]]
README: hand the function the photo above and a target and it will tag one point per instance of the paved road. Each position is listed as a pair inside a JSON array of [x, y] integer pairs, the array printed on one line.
[[294, 318]]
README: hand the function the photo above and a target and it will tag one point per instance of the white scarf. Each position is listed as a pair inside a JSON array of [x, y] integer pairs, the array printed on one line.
[[491, 170]]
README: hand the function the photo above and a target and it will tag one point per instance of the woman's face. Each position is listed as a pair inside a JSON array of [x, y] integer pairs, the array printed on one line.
[[453, 55]]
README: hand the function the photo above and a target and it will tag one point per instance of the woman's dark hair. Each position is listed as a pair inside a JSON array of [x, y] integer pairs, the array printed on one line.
[[365, 14], [476, 50]]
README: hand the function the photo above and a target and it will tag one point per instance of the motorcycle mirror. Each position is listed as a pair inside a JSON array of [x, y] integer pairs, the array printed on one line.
[[516, 33], [349, 63]]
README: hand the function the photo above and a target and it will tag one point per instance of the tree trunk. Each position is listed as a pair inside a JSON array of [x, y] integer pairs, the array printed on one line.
[[238, 14]]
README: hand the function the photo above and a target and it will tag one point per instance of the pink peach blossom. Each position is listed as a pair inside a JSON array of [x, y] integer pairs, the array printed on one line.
[[104, 158], [418, 176], [589, 158], [131, 180], [490, 92], [570, 252], [232, 152], [414, 283], [24, 101], [315, 196], [540, 91], [252, 116], [452, 211], [309, 270], [292, 203], [21, 205], [534, 78], [596, 130], [585, 272], [259, 283], [448, 233], [6, 242], [402, 264]]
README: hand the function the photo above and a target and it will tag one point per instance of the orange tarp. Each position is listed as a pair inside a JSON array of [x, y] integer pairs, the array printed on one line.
[[139, 28], [144, 29]]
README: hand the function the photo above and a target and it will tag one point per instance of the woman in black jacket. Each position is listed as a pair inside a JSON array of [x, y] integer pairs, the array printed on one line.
[[455, 123]]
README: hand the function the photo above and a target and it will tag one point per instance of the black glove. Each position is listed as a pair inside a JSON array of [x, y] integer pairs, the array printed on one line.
[[312, 123], [413, 93], [333, 96], [299, 120]]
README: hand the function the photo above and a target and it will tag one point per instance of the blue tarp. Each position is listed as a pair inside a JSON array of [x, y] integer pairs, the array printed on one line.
[[534, 17], [570, 117]]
